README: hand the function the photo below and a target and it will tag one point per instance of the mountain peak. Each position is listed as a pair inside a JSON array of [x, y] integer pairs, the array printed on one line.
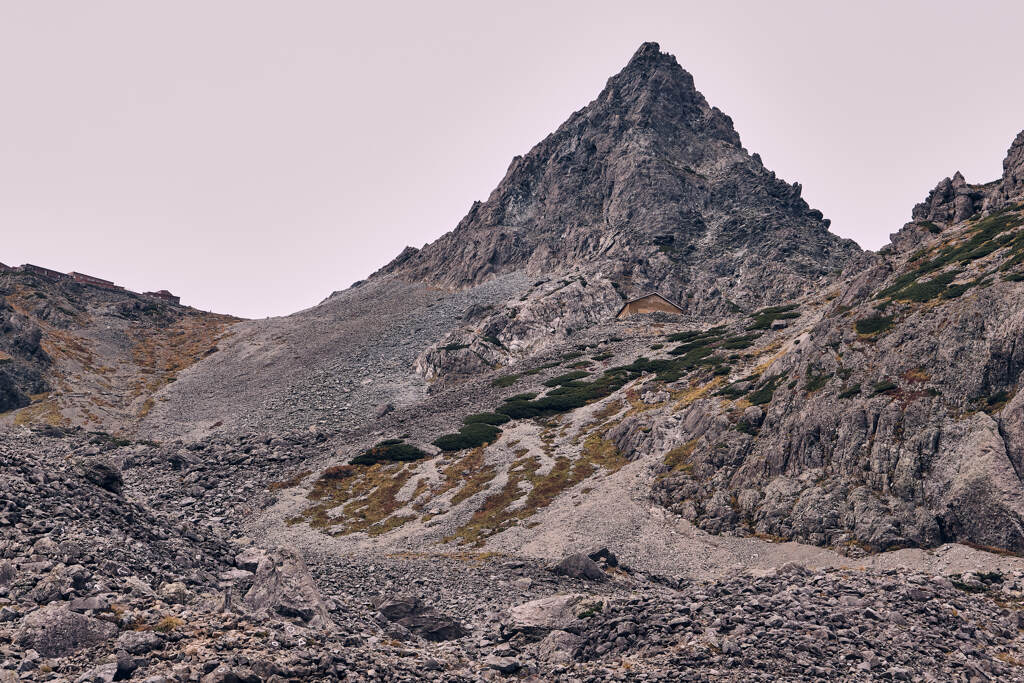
[[652, 76], [650, 185], [954, 199], [650, 55], [648, 50]]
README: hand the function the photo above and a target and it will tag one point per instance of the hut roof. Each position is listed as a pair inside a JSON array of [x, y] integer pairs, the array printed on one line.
[[647, 296]]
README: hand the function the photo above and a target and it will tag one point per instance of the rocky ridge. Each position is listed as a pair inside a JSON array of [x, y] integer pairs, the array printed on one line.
[[76, 354]]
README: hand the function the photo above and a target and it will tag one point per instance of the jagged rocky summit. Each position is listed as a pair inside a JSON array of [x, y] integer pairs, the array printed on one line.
[[647, 186]]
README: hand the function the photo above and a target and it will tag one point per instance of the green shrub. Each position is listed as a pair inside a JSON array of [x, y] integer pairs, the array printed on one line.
[[764, 318], [954, 291], [883, 387], [746, 428], [996, 401], [486, 418], [392, 450], [603, 356], [505, 381], [851, 392], [454, 347], [537, 370], [814, 382], [527, 396], [470, 436], [874, 324], [703, 336], [926, 291], [519, 410], [743, 341], [766, 391], [731, 391], [565, 377]]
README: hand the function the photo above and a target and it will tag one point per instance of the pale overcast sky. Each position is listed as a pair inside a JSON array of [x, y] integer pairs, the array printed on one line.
[[254, 156]]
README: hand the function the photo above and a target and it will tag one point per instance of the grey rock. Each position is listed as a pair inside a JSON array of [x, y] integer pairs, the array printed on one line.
[[413, 614], [175, 593], [249, 559], [228, 674], [603, 554], [505, 665], [139, 642], [55, 630], [540, 617], [282, 585], [104, 673], [102, 472], [558, 647], [580, 566]]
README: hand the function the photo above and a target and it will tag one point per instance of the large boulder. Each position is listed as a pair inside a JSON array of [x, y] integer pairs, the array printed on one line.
[[282, 585], [102, 472], [538, 618], [580, 566], [249, 559], [55, 631], [139, 642], [420, 618], [558, 647]]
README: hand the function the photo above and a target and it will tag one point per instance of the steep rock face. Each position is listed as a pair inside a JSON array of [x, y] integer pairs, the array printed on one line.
[[649, 186], [91, 355], [22, 359], [1011, 185], [952, 201], [895, 421]]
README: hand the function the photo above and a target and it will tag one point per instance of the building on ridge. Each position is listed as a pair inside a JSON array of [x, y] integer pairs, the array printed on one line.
[[92, 280], [648, 303], [165, 295], [42, 272]]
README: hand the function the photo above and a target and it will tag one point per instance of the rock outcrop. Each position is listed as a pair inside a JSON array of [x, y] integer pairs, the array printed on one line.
[[55, 630], [411, 613], [282, 585], [1011, 186], [952, 201]]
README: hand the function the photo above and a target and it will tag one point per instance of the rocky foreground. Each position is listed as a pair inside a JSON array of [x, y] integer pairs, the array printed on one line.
[[97, 586]]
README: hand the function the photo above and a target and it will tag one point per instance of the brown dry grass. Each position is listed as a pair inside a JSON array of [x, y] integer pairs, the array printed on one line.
[[289, 483], [678, 459], [496, 513], [366, 497]]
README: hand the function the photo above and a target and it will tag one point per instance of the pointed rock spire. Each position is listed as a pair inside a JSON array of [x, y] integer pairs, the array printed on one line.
[[647, 181]]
